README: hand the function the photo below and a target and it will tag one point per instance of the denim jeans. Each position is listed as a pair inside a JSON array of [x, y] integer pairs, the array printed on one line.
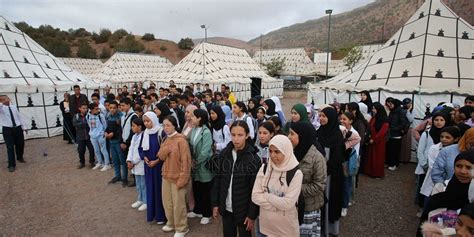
[[119, 160], [100, 147], [347, 191], [141, 188]]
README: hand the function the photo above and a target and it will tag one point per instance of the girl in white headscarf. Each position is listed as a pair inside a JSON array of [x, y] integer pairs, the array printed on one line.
[[313, 115], [278, 109], [277, 198]]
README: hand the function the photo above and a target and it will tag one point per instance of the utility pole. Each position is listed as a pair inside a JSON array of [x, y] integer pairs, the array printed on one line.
[[329, 11]]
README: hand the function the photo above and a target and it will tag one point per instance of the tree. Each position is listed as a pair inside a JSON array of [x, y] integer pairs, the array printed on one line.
[[186, 43], [148, 37], [103, 36], [275, 66], [130, 45], [105, 53], [120, 33], [55, 46], [163, 48], [353, 57], [85, 50]]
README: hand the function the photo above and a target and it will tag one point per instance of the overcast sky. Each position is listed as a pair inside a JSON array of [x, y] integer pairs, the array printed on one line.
[[173, 19]]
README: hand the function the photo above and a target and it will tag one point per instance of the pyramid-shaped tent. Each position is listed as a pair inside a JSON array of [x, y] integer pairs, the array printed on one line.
[[297, 62], [125, 68], [218, 64], [87, 67], [35, 81], [430, 59]]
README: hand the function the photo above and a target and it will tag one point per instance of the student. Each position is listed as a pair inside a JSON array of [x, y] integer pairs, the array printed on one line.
[[67, 119], [176, 157], [252, 107], [136, 164], [260, 117], [276, 123], [374, 166], [449, 135], [138, 111], [266, 131], [330, 137], [148, 106], [113, 134], [366, 99], [201, 143], [430, 137], [352, 142], [279, 109], [150, 145], [126, 123], [96, 99], [275, 193], [240, 113], [220, 130], [269, 105], [396, 125], [188, 126], [162, 111], [298, 113], [178, 112], [313, 115], [231, 192], [82, 136], [97, 125], [313, 166]]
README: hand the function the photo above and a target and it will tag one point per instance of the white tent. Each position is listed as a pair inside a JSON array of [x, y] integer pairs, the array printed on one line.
[[87, 67], [216, 65], [128, 68], [297, 63], [35, 81], [430, 60]]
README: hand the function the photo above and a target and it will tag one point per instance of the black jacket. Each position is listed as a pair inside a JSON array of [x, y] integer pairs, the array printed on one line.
[[75, 103], [245, 171], [396, 122]]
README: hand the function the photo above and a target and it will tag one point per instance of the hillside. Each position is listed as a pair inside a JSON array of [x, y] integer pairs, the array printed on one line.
[[227, 41], [359, 26]]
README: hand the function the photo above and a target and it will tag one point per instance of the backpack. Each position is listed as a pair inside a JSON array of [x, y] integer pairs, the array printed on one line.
[[300, 205], [254, 124]]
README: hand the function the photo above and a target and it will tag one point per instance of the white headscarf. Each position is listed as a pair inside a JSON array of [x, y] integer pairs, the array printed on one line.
[[146, 135], [277, 103], [283, 144], [363, 109]]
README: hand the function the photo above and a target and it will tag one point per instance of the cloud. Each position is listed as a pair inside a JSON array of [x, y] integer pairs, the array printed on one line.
[[244, 19]]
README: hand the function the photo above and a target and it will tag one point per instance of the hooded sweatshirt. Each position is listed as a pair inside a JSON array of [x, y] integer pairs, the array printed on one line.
[[276, 198]]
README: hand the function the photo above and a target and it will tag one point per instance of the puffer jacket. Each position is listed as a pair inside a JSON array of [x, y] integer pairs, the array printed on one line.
[[313, 166], [82, 128], [396, 123]]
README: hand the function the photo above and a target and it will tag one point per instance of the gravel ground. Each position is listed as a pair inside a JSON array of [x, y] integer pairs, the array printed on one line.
[[48, 196]]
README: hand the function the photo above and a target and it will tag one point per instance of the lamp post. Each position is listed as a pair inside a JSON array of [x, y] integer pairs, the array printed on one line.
[[329, 11], [205, 32]]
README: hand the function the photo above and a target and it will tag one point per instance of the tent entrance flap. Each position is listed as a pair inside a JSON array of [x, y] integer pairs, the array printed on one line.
[[256, 86]]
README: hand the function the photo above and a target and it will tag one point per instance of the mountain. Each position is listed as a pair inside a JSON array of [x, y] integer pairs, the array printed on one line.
[[227, 41], [362, 25]]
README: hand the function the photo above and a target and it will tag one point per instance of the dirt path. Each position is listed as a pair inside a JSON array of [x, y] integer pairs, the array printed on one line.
[[49, 196]]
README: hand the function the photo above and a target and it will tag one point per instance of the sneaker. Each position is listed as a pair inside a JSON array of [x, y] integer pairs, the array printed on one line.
[[392, 168], [97, 166], [181, 234], [115, 180], [350, 204], [160, 222], [167, 228], [344, 212], [106, 167], [193, 215], [205, 220], [124, 183], [142, 207], [137, 204]]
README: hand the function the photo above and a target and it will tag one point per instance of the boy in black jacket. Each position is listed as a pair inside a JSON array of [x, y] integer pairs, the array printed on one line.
[[82, 136]]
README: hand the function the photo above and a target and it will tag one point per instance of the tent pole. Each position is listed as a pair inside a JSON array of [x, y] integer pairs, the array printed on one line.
[[45, 115]]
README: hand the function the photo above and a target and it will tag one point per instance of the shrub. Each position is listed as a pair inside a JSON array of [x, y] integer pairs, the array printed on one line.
[[85, 50], [105, 53], [163, 48], [130, 45], [186, 43]]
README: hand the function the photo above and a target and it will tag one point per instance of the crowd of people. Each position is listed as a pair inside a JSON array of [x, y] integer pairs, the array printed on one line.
[[198, 153]]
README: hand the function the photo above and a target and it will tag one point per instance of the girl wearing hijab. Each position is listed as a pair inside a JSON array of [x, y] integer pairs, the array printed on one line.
[[176, 156], [395, 134], [162, 111], [188, 126], [266, 131], [443, 168], [220, 130], [366, 99], [278, 109], [277, 198], [361, 125], [313, 115], [331, 139], [252, 106], [456, 195], [259, 100], [270, 107], [374, 166], [298, 113], [148, 150], [429, 138], [313, 166], [200, 142]]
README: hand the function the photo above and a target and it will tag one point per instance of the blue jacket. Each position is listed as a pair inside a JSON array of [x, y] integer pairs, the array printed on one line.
[[97, 125], [443, 168]]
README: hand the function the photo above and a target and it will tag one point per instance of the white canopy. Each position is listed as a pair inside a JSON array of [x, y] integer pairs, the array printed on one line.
[[432, 53], [85, 66], [297, 62], [27, 67]]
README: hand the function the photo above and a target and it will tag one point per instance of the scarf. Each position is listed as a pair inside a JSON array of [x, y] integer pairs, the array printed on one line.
[[301, 110], [305, 136], [435, 133], [380, 116], [283, 144], [271, 107], [219, 123], [330, 135], [368, 101], [146, 135]]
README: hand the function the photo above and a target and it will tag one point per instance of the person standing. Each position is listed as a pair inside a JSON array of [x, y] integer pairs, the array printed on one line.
[[396, 120], [82, 137], [13, 126], [67, 119], [76, 100], [374, 167]]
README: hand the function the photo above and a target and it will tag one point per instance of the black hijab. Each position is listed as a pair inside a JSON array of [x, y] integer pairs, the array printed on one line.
[[435, 133], [307, 137], [396, 104], [380, 116], [271, 107], [368, 101], [330, 135], [220, 121], [253, 111], [165, 111]]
